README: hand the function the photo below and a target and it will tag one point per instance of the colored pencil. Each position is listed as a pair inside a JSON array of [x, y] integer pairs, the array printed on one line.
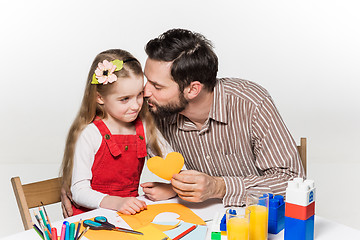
[[47, 236], [43, 217], [47, 217], [83, 232], [77, 230], [46, 228], [185, 232], [38, 231], [37, 218]]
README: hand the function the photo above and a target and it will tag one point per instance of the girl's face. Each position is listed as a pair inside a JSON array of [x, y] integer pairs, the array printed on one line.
[[125, 99]]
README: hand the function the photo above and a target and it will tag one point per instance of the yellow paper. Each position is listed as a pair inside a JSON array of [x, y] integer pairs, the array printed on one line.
[[150, 233], [165, 169], [145, 217]]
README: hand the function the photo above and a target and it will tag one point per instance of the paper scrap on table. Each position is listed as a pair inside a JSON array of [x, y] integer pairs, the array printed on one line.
[[150, 233], [146, 216], [166, 168]]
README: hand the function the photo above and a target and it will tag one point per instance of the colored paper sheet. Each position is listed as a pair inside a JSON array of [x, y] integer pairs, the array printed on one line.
[[145, 217], [166, 168], [150, 233], [108, 235], [199, 233]]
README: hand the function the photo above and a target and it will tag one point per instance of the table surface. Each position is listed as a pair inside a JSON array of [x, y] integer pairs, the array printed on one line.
[[324, 229]]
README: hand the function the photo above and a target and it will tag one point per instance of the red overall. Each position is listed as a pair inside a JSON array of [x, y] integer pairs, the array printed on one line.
[[118, 163]]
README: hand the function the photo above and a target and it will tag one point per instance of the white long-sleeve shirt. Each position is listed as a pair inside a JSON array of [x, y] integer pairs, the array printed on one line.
[[86, 147]]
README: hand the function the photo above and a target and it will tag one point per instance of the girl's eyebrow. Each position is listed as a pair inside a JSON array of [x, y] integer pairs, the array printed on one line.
[[124, 96]]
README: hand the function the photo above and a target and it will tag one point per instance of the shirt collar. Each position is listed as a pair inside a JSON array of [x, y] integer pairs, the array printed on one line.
[[218, 109]]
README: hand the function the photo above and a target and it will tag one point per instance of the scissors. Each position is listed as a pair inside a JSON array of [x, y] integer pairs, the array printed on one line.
[[101, 223]]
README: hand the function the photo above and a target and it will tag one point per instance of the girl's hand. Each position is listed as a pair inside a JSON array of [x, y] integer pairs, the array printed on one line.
[[124, 205], [157, 191]]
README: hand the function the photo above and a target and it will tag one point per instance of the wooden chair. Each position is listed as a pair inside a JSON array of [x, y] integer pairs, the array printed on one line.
[[302, 152], [31, 195]]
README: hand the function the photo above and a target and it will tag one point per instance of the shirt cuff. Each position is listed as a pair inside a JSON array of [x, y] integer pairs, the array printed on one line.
[[235, 191]]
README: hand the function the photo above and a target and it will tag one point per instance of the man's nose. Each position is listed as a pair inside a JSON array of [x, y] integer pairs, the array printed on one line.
[[147, 92]]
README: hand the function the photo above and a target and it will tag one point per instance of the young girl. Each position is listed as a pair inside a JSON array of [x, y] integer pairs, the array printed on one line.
[[108, 141]]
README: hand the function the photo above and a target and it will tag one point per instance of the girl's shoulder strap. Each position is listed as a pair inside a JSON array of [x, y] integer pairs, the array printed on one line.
[[107, 137], [140, 138], [99, 123]]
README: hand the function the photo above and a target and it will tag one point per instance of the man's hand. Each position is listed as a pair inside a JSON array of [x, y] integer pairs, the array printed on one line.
[[66, 199], [157, 191], [194, 186]]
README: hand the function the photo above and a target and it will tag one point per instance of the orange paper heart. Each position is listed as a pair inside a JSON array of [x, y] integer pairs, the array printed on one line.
[[165, 169]]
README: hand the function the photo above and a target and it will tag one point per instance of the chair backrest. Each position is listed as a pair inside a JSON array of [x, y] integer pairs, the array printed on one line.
[[31, 195], [302, 152]]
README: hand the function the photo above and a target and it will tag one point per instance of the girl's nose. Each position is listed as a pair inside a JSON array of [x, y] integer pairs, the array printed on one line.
[[136, 104]]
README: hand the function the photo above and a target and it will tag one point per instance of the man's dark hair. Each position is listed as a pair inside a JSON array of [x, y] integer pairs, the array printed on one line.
[[192, 56]]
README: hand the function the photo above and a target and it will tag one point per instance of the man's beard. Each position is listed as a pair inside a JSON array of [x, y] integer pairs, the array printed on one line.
[[169, 109]]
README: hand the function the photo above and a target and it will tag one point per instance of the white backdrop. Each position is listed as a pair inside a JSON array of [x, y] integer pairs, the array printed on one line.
[[305, 53]]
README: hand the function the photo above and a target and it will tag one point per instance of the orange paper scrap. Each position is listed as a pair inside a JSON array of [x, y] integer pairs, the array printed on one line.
[[145, 217], [166, 168]]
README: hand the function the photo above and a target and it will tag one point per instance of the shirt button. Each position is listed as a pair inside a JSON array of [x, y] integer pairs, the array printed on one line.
[[107, 136], [126, 148], [141, 137], [207, 157]]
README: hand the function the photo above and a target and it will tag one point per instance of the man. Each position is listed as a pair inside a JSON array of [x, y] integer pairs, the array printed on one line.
[[228, 130]]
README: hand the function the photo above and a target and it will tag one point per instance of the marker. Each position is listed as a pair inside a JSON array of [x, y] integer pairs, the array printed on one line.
[[72, 231], [54, 234], [67, 235], [63, 230]]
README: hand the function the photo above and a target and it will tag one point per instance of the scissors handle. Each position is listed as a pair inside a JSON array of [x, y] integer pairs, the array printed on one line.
[[95, 225], [103, 221]]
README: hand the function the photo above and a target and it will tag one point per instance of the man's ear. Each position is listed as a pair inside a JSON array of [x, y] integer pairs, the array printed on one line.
[[99, 99], [193, 90]]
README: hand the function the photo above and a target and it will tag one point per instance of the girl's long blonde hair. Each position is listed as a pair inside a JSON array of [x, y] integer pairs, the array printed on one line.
[[89, 109]]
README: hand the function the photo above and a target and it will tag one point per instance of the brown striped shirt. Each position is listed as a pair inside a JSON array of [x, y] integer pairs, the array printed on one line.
[[244, 141]]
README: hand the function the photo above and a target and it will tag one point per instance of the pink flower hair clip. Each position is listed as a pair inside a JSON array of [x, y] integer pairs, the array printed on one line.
[[104, 73]]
